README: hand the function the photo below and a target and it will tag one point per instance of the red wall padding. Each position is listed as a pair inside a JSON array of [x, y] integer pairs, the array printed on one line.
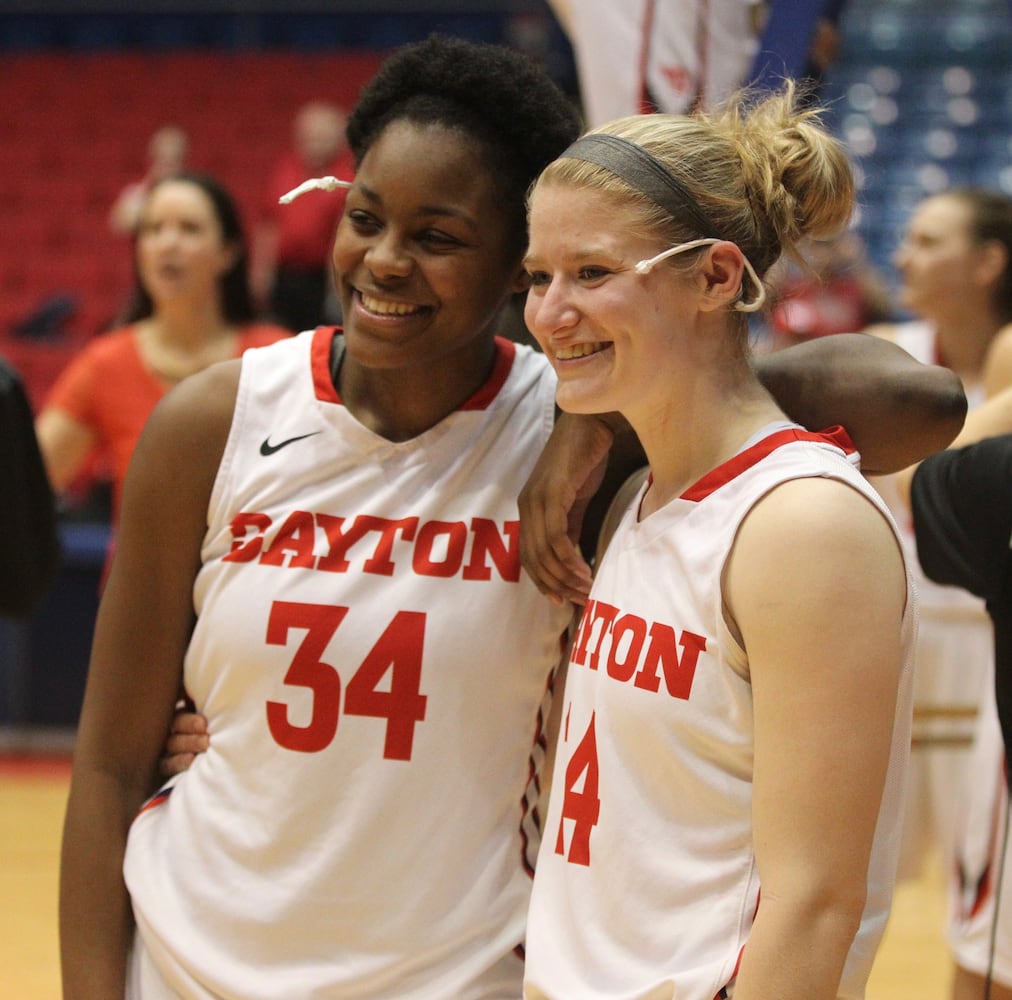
[[74, 129]]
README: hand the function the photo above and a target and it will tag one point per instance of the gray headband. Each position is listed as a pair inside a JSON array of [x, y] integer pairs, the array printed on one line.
[[643, 172]]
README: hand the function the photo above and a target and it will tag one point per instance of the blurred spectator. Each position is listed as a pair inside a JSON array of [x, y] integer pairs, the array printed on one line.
[[961, 501], [168, 151], [29, 545], [955, 269], [292, 243], [191, 308], [800, 40], [834, 289], [826, 40], [639, 56]]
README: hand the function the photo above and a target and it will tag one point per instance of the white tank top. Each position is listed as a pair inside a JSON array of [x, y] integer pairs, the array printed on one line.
[[373, 664], [647, 887]]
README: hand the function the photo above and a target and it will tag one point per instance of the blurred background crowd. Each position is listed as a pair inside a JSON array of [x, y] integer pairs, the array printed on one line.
[[101, 99]]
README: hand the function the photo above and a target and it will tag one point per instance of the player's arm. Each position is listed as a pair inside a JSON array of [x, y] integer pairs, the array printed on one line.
[[961, 501], [188, 736], [823, 634], [990, 419], [896, 410], [143, 626], [567, 495], [65, 443]]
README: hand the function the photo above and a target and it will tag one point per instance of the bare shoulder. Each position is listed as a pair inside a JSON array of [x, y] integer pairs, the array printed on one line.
[[812, 551], [821, 535], [816, 509], [195, 416], [203, 402]]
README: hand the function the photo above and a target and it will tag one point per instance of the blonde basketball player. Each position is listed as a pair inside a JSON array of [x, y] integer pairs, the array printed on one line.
[[736, 720]]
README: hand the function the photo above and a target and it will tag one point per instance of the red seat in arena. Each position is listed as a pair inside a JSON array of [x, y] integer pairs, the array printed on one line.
[[77, 132]]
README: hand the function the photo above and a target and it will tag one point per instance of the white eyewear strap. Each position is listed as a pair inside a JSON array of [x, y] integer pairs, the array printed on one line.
[[645, 266], [313, 184]]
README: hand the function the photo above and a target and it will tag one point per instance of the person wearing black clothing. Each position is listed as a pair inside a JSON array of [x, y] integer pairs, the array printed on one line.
[[962, 504], [29, 544], [961, 501]]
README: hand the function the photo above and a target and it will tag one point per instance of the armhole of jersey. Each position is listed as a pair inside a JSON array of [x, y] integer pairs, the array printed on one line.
[[224, 473]]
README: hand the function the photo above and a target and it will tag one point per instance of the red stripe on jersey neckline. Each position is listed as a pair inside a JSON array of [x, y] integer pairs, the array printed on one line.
[[323, 384], [735, 466]]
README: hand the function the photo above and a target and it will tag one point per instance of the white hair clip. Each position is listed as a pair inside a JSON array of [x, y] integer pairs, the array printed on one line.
[[313, 184], [646, 266]]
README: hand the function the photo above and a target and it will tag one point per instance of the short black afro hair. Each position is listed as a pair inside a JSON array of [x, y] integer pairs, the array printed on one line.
[[491, 93]]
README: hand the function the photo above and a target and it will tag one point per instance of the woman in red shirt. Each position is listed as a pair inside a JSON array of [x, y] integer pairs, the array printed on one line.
[[191, 307]]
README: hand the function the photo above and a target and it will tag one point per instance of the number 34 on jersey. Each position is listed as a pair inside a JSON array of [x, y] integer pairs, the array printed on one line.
[[386, 685]]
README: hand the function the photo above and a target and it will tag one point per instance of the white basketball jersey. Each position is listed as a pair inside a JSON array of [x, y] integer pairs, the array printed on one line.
[[373, 665], [647, 885]]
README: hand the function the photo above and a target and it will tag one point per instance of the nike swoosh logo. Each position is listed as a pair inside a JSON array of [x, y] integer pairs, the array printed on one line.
[[268, 449]]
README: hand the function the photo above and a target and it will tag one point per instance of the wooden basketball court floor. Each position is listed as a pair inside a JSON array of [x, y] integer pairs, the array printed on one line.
[[912, 963]]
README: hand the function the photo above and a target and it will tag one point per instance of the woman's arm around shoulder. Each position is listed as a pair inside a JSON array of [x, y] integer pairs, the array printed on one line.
[[143, 626], [991, 419], [896, 410], [823, 634], [584, 463]]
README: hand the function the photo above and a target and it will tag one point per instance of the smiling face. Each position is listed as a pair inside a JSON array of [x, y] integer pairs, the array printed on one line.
[[181, 251], [422, 257], [610, 333]]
